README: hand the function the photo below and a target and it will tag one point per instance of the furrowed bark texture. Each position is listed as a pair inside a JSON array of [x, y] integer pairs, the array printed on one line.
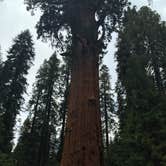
[[82, 146]]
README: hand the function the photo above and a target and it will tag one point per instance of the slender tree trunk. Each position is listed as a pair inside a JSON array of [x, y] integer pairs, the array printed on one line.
[[9, 117], [35, 113], [83, 143], [45, 134], [64, 111], [106, 123], [44, 143]]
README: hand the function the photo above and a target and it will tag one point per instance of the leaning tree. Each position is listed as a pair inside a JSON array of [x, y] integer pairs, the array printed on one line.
[[88, 25]]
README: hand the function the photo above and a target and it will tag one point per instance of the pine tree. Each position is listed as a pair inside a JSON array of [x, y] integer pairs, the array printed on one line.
[[50, 106], [106, 108], [65, 75], [141, 139], [81, 19], [26, 149], [106, 104], [13, 85], [41, 135]]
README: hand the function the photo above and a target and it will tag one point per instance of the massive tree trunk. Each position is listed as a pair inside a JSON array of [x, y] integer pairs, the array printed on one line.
[[83, 142], [82, 146]]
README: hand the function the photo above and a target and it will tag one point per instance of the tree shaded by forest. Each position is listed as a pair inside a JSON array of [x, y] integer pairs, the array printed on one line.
[[13, 85], [39, 131], [47, 109], [106, 105], [107, 109], [141, 58], [64, 93]]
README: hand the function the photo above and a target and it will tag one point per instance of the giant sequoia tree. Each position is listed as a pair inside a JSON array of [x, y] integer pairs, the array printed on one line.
[[13, 85], [82, 20]]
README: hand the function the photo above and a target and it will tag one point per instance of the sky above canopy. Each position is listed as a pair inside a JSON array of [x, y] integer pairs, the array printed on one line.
[[14, 18]]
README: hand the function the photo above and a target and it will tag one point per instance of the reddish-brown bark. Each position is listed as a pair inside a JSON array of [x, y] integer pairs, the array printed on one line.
[[82, 146]]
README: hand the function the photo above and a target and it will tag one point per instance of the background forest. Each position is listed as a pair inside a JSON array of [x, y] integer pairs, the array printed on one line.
[[133, 114]]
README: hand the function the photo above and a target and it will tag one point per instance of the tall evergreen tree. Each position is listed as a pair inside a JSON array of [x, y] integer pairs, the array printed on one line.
[[106, 109], [49, 110], [141, 53], [13, 85], [106, 104], [65, 74], [40, 129], [81, 19]]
